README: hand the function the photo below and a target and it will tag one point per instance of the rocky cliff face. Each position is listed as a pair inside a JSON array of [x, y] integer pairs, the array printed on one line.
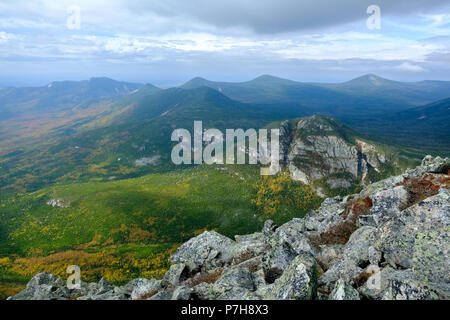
[[317, 148], [390, 241]]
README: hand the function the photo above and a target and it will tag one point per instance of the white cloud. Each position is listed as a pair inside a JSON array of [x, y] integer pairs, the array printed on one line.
[[5, 37], [409, 67]]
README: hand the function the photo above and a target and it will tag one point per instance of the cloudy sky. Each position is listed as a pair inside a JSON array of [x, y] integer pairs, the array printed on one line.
[[167, 42]]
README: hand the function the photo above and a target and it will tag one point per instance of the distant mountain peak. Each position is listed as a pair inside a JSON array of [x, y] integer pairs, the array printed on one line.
[[266, 77], [271, 78], [195, 83], [371, 79], [93, 79], [198, 79]]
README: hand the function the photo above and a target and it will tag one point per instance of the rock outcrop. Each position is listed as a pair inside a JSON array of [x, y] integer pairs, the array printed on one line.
[[320, 148], [390, 241]]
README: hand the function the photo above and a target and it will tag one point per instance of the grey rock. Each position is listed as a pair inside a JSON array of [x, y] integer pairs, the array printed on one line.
[[207, 251], [248, 247], [385, 184], [103, 286], [375, 256], [250, 238], [367, 220], [376, 284], [204, 291], [177, 273], [277, 259], [329, 255], [43, 286], [311, 223], [343, 291], [429, 165], [357, 248], [329, 208], [235, 277], [419, 239], [344, 269], [292, 233], [234, 284], [269, 228], [109, 295], [182, 293], [262, 287], [402, 285], [299, 280], [162, 295], [388, 203], [143, 287]]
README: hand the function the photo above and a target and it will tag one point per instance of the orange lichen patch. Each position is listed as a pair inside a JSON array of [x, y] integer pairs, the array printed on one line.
[[210, 277], [243, 256], [341, 232], [363, 277], [149, 295], [427, 186], [356, 208]]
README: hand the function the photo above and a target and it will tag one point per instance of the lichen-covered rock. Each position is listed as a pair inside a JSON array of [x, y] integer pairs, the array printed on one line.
[[43, 286], [357, 248], [329, 255], [277, 259], [345, 269], [375, 256], [234, 284], [391, 284], [343, 291], [419, 239], [402, 285], [203, 291], [298, 282], [248, 247], [207, 251], [329, 207], [182, 293], [292, 233], [177, 273], [377, 282], [143, 287], [311, 223], [162, 295], [109, 295], [269, 228], [429, 165], [388, 203]]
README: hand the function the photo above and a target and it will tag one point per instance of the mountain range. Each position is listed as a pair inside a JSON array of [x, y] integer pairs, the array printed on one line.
[[103, 128], [86, 176]]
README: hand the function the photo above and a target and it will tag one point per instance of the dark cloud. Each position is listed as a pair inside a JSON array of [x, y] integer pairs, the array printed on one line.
[[275, 16]]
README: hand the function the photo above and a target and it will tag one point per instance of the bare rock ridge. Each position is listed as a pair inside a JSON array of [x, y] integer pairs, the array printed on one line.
[[391, 241], [316, 148]]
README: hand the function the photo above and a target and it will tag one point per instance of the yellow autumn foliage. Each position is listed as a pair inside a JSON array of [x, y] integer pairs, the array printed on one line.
[[275, 192]]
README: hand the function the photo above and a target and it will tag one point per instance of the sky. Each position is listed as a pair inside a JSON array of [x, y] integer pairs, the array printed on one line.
[[167, 42]]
